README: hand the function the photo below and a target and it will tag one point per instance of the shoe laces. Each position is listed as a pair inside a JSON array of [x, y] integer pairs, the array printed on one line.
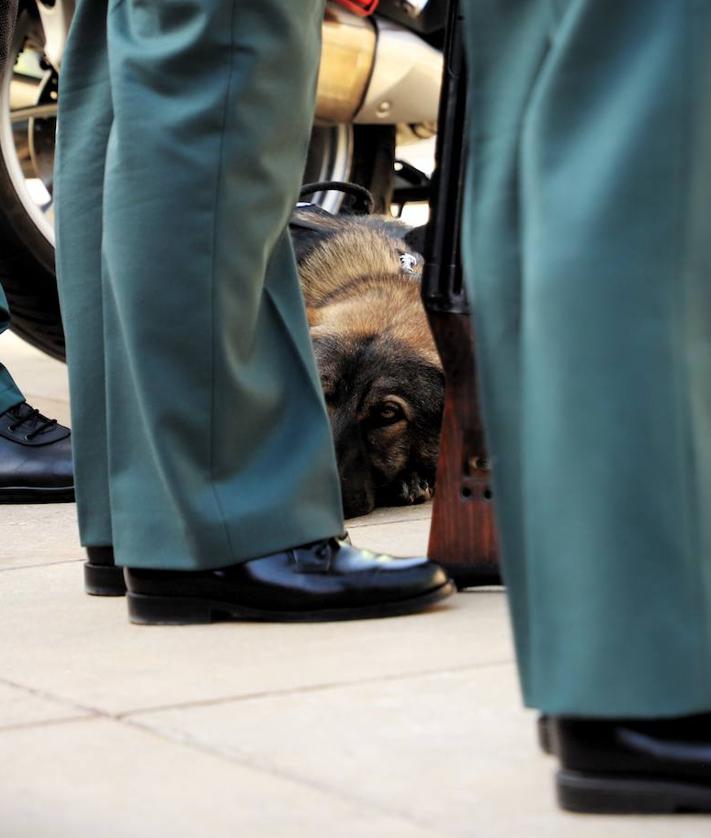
[[324, 547], [31, 416]]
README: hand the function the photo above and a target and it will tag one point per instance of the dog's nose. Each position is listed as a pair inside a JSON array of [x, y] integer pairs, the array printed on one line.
[[355, 510], [357, 500], [357, 490]]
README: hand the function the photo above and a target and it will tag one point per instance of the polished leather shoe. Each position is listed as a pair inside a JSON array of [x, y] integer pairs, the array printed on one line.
[[326, 580], [35, 458], [101, 576], [628, 766]]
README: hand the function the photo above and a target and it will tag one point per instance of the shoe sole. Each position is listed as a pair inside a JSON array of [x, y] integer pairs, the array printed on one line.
[[545, 738], [149, 610], [473, 577], [36, 494], [611, 795], [103, 580]]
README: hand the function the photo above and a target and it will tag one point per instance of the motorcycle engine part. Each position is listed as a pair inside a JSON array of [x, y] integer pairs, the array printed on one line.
[[413, 7], [360, 7], [347, 58], [362, 203], [426, 17], [411, 184], [409, 134], [406, 79]]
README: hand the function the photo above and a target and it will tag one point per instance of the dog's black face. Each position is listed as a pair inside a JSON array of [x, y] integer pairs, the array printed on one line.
[[385, 405]]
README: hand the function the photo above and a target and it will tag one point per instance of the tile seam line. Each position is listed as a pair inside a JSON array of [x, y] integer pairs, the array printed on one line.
[[41, 564], [308, 689], [62, 720], [366, 524], [357, 802], [236, 698], [56, 699]]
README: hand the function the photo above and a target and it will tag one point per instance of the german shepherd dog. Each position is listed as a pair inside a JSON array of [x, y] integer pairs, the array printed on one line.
[[380, 371]]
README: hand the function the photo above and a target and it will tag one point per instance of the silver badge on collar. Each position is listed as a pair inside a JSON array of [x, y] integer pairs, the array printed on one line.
[[408, 263]]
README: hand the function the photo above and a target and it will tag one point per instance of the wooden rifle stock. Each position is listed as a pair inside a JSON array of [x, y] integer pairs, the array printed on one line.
[[462, 535]]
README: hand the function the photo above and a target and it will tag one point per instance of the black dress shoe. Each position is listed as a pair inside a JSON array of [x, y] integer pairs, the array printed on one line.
[[327, 580], [101, 576], [628, 766], [35, 458]]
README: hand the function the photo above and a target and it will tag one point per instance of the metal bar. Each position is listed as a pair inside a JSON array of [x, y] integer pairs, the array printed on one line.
[[33, 112], [442, 285]]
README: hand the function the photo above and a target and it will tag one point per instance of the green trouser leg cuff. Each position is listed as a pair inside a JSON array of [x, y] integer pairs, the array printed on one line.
[[10, 394]]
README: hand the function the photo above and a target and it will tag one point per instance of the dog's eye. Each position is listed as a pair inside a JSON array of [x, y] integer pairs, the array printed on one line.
[[389, 412]]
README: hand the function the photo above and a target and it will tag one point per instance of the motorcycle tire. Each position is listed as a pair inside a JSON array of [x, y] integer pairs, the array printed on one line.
[[27, 274]]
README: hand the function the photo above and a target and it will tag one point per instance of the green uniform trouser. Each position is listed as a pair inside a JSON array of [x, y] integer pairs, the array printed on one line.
[[200, 434], [588, 250], [10, 395]]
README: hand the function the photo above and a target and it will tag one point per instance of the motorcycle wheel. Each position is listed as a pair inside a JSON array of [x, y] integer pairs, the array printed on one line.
[[28, 106]]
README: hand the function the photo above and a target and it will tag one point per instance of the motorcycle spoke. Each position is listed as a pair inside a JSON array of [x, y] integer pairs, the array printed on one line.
[[33, 112]]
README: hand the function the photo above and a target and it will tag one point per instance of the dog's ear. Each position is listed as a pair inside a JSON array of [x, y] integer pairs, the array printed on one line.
[[304, 241], [309, 227], [415, 238]]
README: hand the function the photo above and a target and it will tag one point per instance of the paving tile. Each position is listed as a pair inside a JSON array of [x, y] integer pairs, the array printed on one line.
[[42, 380], [397, 538], [21, 707], [106, 779], [33, 371], [13, 347], [39, 533], [56, 639], [391, 514], [453, 750]]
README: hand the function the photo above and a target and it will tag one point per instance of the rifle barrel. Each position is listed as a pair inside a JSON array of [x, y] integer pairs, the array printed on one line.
[[442, 284]]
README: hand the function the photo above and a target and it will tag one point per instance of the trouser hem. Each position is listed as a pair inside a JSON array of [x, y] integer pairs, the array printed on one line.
[[647, 710], [10, 397], [129, 556]]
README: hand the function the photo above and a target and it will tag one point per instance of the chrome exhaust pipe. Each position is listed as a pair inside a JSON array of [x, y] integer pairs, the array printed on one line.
[[347, 59], [375, 72]]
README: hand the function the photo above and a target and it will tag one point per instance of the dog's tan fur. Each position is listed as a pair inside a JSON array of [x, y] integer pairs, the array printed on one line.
[[353, 284]]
